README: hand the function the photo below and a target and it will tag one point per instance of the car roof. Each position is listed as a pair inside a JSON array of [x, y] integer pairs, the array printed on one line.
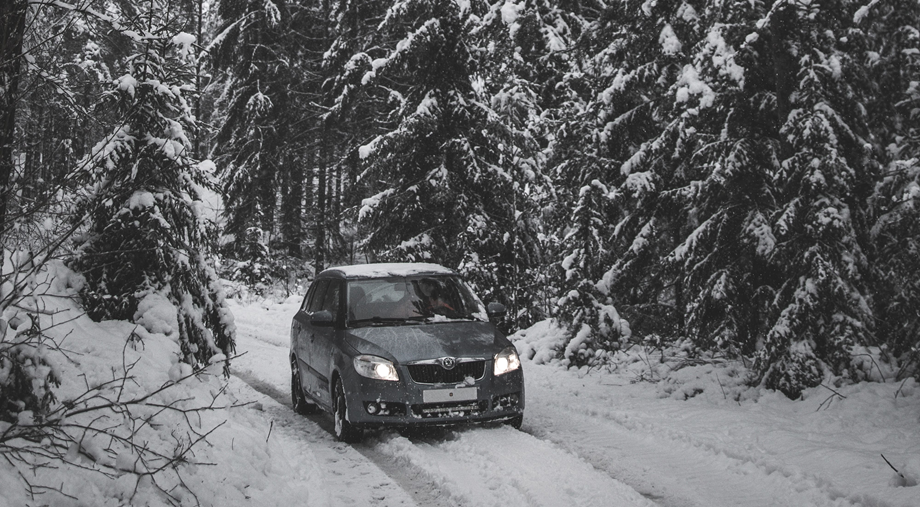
[[381, 270]]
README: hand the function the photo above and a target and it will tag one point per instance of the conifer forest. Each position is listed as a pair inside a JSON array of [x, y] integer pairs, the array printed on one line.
[[738, 178]]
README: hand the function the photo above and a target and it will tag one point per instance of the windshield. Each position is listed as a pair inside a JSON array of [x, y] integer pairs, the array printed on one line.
[[400, 299]]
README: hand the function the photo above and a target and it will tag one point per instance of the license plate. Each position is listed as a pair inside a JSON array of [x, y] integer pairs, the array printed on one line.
[[448, 395]]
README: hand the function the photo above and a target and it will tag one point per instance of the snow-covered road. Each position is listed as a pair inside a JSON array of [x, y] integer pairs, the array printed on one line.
[[595, 439], [477, 466]]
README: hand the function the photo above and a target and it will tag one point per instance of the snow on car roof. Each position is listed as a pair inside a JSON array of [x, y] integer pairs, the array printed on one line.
[[390, 269]]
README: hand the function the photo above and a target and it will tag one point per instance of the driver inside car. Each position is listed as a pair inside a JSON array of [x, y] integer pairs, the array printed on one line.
[[431, 293]]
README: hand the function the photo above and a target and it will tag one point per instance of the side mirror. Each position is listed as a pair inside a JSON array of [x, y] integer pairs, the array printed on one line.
[[496, 310], [322, 318]]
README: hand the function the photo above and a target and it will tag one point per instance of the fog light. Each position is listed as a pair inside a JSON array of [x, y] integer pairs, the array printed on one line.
[[506, 401], [372, 408]]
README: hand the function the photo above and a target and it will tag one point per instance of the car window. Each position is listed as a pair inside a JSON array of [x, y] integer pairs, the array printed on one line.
[[331, 298], [397, 298], [381, 299], [306, 299], [447, 296], [318, 294]]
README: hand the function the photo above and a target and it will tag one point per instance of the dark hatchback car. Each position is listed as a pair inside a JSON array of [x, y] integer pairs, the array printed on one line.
[[401, 345]]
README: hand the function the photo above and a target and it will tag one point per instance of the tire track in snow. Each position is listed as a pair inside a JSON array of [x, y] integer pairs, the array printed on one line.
[[675, 471], [500, 462], [501, 466], [508, 468], [393, 485], [352, 480]]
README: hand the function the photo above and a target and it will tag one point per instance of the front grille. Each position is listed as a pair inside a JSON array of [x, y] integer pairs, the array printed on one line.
[[436, 374]]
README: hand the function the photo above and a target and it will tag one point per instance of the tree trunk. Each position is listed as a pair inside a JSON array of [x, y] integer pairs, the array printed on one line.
[[200, 40], [785, 67], [321, 205], [292, 207], [12, 31]]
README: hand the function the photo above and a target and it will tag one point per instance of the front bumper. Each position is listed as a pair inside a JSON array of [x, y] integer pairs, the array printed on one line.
[[406, 403]]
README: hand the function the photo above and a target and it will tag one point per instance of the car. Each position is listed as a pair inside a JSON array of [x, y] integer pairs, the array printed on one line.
[[401, 345]]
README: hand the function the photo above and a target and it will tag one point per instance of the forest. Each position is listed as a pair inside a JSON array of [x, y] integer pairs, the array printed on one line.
[[732, 178]]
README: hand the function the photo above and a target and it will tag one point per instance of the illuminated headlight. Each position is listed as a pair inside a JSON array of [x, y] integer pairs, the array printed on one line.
[[376, 368], [505, 361]]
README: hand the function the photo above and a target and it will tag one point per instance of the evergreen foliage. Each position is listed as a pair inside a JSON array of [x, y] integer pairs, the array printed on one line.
[[434, 147], [740, 178], [254, 114], [821, 309], [145, 241], [895, 65], [453, 170], [612, 112]]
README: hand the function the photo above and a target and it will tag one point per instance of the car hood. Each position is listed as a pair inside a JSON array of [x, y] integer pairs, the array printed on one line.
[[409, 343]]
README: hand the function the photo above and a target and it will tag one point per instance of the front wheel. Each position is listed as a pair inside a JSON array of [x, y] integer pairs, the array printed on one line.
[[344, 431]]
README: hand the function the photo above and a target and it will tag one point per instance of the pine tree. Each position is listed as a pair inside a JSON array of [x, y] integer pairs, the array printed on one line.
[[516, 61], [821, 308], [613, 242], [445, 165], [144, 245], [894, 59], [423, 157], [12, 33], [257, 59], [719, 149]]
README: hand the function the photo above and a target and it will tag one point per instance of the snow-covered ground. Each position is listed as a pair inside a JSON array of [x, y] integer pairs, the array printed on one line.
[[640, 434]]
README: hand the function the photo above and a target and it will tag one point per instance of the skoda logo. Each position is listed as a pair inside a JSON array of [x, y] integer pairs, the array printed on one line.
[[448, 363]]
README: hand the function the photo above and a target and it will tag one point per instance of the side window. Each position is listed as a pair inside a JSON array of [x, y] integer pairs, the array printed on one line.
[[318, 293], [306, 299], [332, 298]]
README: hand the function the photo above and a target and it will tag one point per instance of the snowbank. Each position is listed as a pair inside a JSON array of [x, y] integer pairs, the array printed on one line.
[[830, 444], [136, 453]]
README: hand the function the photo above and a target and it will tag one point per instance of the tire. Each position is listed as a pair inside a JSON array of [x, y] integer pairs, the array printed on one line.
[[344, 431], [298, 400]]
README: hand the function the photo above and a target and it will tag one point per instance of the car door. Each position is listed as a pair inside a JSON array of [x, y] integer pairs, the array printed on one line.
[[303, 330], [322, 340]]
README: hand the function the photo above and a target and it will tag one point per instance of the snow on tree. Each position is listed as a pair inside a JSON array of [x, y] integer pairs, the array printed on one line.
[[615, 232], [246, 145], [713, 167], [12, 33], [425, 156], [451, 173], [894, 59], [519, 52], [821, 311], [145, 242], [260, 65]]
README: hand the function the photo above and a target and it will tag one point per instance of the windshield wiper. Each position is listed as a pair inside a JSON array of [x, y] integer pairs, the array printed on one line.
[[438, 319], [383, 321]]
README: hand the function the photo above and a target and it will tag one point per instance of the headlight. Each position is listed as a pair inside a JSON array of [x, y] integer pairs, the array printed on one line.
[[505, 361], [376, 368]]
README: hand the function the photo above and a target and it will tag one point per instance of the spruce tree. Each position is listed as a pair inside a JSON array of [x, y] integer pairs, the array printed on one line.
[[821, 311], [424, 158], [259, 66], [144, 245], [623, 216], [893, 55], [717, 156], [446, 186], [516, 62]]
